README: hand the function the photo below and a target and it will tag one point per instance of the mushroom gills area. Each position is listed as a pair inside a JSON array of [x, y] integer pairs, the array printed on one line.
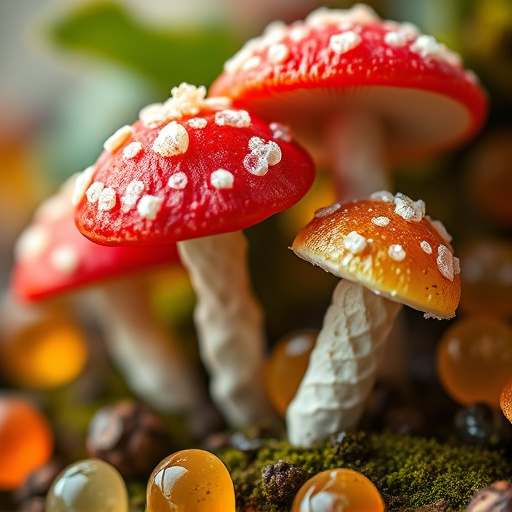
[[415, 122], [342, 366]]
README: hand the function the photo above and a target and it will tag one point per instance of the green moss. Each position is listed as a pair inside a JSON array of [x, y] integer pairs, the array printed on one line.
[[410, 472]]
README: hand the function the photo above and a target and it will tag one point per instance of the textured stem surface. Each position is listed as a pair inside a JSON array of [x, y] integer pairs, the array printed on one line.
[[356, 142], [229, 326], [149, 359], [342, 366]]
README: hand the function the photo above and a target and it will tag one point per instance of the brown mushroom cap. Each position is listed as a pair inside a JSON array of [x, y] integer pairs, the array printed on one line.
[[388, 245]]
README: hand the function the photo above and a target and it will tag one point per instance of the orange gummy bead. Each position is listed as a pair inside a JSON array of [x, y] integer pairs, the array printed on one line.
[[338, 489], [190, 481], [475, 360], [45, 354], [506, 400], [286, 367], [26, 441]]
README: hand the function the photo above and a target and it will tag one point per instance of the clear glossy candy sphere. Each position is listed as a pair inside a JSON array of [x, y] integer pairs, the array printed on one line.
[[190, 481], [90, 485], [338, 489]]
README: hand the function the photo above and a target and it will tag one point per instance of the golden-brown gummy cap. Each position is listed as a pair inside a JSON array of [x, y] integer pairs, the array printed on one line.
[[388, 245]]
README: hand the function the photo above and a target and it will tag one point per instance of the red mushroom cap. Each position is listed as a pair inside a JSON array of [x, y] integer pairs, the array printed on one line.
[[52, 257], [190, 168], [336, 60]]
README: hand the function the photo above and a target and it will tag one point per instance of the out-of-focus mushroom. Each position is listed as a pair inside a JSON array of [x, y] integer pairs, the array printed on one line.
[[53, 259], [196, 172], [388, 253], [357, 91]]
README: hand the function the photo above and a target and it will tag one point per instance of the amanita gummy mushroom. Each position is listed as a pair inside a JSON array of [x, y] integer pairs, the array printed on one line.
[[52, 260], [357, 91], [388, 253], [196, 171]]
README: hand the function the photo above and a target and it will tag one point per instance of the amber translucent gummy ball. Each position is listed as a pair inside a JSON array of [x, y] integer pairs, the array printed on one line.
[[286, 366], [338, 489], [46, 354], [190, 481], [90, 485], [26, 441], [486, 277], [475, 360], [506, 399]]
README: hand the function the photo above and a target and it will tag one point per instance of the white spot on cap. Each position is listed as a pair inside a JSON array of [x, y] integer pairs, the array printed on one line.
[[221, 179], [83, 180], [396, 252], [65, 259], [197, 122], [132, 150], [178, 181], [426, 247], [426, 46], [381, 221], [263, 154], [323, 212], [153, 115], [148, 207], [278, 53], [359, 13], [408, 209], [131, 195], [355, 242], [172, 140], [445, 262], [383, 196], [298, 32], [439, 227], [236, 118], [342, 43], [32, 243], [396, 38], [116, 140], [251, 63], [94, 191], [280, 131], [107, 199]]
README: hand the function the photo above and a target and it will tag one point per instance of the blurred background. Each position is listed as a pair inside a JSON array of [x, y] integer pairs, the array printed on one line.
[[72, 72]]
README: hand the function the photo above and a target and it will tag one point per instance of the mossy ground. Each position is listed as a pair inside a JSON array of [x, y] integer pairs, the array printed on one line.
[[410, 472]]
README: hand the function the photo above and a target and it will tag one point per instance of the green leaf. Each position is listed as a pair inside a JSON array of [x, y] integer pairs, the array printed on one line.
[[107, 30]]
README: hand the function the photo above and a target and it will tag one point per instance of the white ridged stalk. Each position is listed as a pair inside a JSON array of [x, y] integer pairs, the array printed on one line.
[[342, 366], [229, 326], [150, 360]]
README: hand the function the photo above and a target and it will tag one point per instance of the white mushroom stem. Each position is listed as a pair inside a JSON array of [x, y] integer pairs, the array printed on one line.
[[229, 326], [356, 149], [148, 357], [342, 366]]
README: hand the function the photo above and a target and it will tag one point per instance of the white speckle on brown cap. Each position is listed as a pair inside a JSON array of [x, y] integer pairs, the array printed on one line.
[[263, 154], [445, 262], [280, 131], [278, 53], [323, 212], [396, 252], [32, 243], [355, 243], [408, 209], [236, 118], [384, 196], [83, 180], [132, 150], [107, 199], [381, 221], [131, 195], [116, 140], [197, 122], [172, 140], [456, 265], [94, 191], [65, 259], [178, 181], [342, 43], [426, 247], [439, 227], [221, 179], [148, 207]]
